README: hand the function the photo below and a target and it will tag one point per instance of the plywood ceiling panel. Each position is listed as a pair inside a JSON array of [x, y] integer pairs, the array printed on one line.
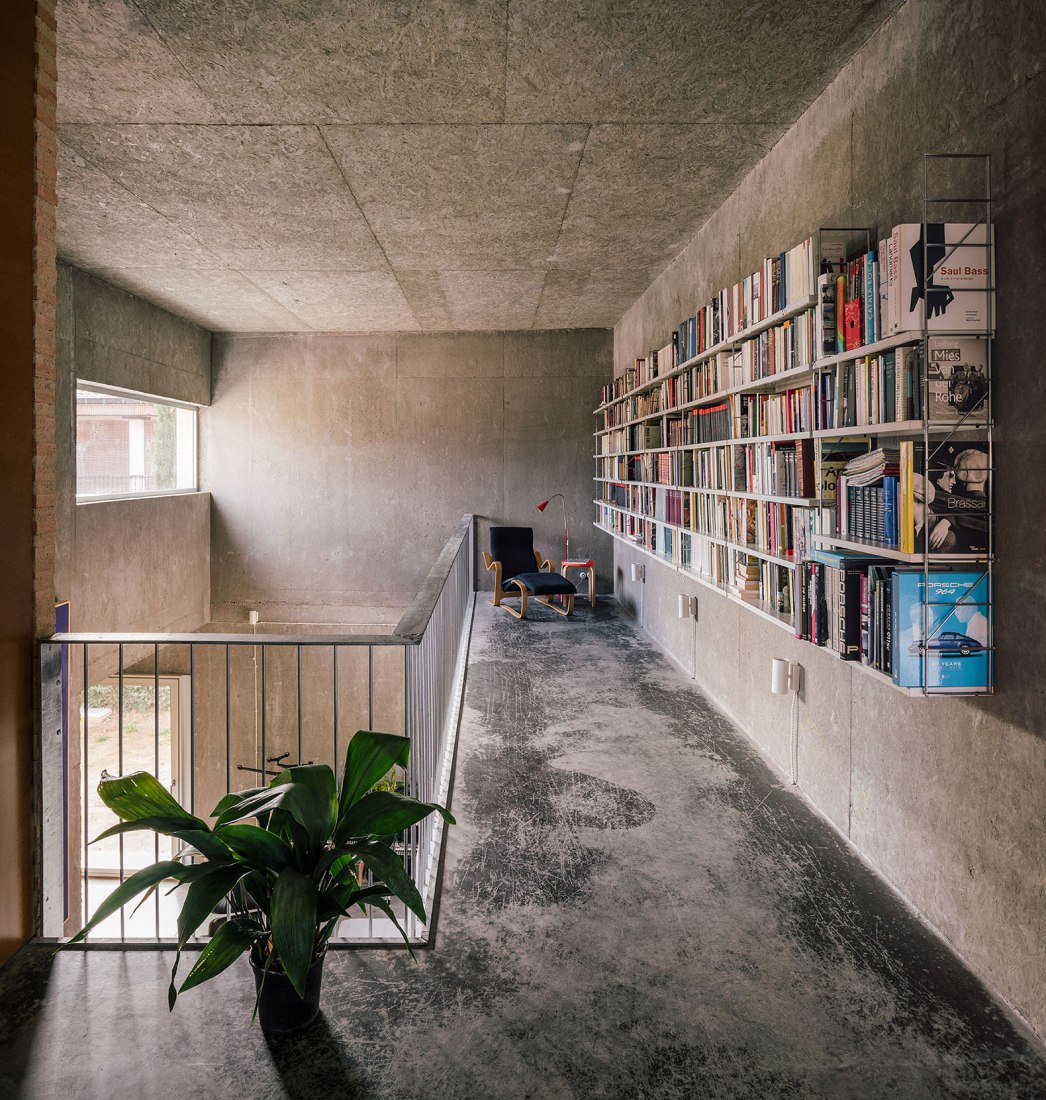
[[374, 166]]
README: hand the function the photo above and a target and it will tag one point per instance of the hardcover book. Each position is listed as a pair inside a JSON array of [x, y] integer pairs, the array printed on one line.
[[854, 336], [956, 378], [957, 497], [955, 291], [943, 630]]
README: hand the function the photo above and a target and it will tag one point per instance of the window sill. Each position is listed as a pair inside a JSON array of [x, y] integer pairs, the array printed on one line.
[[109, 498]]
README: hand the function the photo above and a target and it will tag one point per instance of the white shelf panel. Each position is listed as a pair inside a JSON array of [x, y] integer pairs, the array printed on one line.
[[900, 427], [806, 502], [888, 343], [882, 550]]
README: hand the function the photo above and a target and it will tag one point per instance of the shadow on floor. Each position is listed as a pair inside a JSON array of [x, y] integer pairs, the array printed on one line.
[[313, 1064]]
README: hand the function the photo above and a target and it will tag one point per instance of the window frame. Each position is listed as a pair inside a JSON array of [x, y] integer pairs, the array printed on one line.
[[140, 395]]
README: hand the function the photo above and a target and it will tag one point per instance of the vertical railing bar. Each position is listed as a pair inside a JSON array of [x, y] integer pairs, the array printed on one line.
[[334, 652], [156, 765], [86, 806], [192, 729], [264, 752], [119, 765], [298, 648], [370, 687], [228, 723]]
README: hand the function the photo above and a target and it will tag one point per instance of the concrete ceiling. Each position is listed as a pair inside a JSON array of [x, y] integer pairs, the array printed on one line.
[[374, 165]]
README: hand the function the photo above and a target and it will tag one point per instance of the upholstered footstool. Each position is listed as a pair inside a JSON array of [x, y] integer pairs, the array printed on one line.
[[543, 586]]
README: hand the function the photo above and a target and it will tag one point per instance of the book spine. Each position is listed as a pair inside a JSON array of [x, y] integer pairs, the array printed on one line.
[[871, 294]]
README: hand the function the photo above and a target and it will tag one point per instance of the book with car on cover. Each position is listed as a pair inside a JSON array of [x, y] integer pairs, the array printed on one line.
[[954, 648]]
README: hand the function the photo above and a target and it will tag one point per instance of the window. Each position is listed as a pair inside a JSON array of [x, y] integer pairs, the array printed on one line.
[[130, 444]]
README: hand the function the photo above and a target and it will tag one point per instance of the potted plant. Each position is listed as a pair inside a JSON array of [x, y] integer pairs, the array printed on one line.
[[284, 882]]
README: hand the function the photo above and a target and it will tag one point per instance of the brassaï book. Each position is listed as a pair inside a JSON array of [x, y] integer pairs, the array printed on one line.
[[960, 486]]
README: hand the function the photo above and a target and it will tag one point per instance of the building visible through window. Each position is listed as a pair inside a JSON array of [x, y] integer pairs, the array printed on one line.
[[131, 444]]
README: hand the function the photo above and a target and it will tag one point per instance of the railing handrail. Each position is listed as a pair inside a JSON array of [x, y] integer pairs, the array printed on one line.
[[205, 638], [412, 624], [409, 631]]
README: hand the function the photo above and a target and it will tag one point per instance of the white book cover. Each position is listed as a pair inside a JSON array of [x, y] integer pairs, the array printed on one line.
[[959, 275], [892, 292]]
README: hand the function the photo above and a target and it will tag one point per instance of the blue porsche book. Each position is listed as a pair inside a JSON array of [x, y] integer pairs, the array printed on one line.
[[955, 647]]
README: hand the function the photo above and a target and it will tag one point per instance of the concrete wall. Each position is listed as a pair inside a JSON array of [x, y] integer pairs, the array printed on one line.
[[944, 798], [144, 564], [339, 465]]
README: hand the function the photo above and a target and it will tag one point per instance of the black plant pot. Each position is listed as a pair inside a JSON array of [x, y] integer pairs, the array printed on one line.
[[280, 1009]]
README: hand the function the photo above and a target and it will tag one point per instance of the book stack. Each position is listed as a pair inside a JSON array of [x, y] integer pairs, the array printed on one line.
[[746, 579]]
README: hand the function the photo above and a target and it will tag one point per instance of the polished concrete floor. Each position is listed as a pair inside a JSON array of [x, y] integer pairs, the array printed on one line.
[[633, 907]]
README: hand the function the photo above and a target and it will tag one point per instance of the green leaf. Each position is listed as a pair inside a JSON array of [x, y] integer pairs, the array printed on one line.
[[258, 846], [312, 800], [255, 803], [226, 946], [387, 910], [202, 840], [369, 757], [387, 866], [339, 899], [140, 795], [131, 888], [203, 895], [385, 813], [294, 922], [234, 798]]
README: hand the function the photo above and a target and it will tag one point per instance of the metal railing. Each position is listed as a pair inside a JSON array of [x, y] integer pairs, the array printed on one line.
[[210, 713]]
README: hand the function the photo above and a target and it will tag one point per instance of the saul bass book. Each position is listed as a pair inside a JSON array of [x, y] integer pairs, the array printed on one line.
[[957, 609], [957, 500], [956, 292], [956, 378]]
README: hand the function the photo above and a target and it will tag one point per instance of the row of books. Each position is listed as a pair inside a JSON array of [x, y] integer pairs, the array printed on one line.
[[777, 469], [884, 291], [788, 346], [875, 390], [761, 525], [645, 436], [782, 282], [666, 505], [911, 504], [860, 299], [633, 408], [914, 627], [761, 414]]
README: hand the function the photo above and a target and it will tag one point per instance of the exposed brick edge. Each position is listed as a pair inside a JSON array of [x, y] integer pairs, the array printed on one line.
[[45, 281]]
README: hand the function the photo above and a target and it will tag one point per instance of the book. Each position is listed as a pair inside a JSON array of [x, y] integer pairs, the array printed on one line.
[[956, 292], [826, 314], [941, 629], [957, 497], [956, 378], [853, 334]]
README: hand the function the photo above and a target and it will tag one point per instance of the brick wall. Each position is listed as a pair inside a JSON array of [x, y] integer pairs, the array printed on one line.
[[45, 277]]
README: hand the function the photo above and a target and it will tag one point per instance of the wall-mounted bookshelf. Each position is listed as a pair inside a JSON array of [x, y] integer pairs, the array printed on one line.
[[815, 444]]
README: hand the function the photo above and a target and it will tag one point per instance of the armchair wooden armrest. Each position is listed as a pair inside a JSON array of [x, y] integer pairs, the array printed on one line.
[[499, 592]]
